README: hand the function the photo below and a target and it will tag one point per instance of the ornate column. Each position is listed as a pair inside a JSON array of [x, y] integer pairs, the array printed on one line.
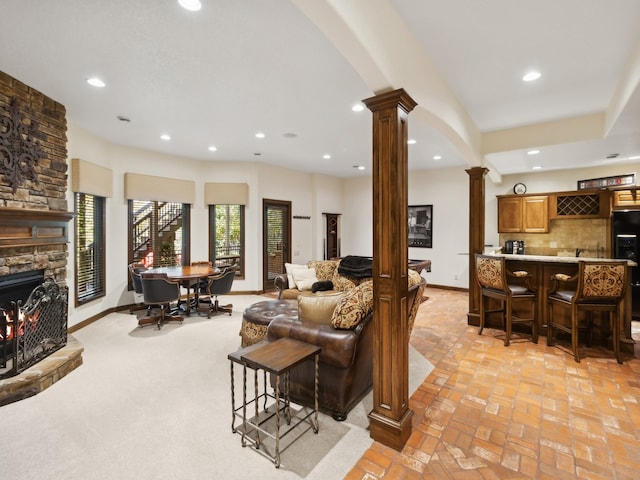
[[390, 419], [476, 237]]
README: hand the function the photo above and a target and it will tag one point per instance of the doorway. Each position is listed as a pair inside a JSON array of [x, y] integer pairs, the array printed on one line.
[[332, 236], [276, 232]]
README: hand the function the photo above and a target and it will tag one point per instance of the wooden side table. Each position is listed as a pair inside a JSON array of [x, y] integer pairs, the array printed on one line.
[[278, 358]]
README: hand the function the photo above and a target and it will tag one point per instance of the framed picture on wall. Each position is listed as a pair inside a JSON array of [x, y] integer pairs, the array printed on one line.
[[421, 226]]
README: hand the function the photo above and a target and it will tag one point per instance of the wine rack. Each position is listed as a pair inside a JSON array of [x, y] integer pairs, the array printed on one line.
[[572, 205]]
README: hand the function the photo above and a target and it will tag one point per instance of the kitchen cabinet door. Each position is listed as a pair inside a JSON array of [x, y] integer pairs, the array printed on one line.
[[523, 214], [535, 214], [509, 214]]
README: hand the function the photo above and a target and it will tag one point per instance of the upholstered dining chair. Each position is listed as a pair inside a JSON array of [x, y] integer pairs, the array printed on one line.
[[597, 287], [134, 274], [157, 289], [509, 288], [218, 285]]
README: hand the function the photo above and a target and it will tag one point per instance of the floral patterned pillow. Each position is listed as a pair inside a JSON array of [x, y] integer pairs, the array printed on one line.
[[353, 307], [414, 278], [324, 269]]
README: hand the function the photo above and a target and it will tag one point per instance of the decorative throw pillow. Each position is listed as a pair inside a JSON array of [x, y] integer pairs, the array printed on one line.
[[318, 309], [289, 268], [342, 283], [414, 278], [322, 286], [304, 278], [324, 268], [353, 307]]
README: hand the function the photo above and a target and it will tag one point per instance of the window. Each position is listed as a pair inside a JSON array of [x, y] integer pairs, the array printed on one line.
[[226, 245], [90, 247], [158, 233]]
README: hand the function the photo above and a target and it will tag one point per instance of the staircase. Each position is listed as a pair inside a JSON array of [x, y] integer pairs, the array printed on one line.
[[168, 219]]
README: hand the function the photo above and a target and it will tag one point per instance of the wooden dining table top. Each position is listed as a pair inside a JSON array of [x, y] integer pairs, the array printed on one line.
[[185, 272]]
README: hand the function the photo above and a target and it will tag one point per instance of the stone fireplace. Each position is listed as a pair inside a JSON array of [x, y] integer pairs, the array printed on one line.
[[32, 329], [34, 221]]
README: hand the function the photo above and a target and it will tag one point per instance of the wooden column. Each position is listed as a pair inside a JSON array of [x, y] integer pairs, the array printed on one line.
[[390, 419], [476, 237]]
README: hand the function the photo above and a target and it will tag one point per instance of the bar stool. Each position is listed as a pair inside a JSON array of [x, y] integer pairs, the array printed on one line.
[[497, 282], [598, 287]]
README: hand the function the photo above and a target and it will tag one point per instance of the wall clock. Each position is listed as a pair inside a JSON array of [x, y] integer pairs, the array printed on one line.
[[519, 188]]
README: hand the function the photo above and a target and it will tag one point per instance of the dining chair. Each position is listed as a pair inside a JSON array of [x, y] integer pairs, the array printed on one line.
[[510, 289], [597, 287], [136, 281], [159, 290], [218, 284]]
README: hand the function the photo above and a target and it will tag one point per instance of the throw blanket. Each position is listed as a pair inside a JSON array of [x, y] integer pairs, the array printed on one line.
[[356, 267]]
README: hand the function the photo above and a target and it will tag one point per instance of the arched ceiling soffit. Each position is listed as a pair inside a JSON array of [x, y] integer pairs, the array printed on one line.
[[376, 42]]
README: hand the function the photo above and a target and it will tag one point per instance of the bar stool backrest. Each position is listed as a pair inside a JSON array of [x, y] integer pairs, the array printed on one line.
[[600, 281], [490, 272]]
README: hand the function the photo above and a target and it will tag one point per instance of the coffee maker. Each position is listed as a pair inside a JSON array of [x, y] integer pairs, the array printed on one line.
[[515, 247]]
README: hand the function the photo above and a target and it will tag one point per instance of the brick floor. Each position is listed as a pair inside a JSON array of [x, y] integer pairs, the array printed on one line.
[[518, 412]]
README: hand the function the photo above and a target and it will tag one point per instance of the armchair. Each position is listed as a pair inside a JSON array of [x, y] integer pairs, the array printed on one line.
[[159, 290], [218, 285], [135, 269]]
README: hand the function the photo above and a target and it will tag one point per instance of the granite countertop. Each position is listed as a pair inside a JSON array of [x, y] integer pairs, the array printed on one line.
[[557, 259]]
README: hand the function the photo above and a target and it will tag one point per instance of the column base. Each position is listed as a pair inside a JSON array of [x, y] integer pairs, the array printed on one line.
[[390, 432]]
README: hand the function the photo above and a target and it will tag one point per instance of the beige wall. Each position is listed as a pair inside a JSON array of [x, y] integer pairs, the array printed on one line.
[[308, 193], [312, 195]]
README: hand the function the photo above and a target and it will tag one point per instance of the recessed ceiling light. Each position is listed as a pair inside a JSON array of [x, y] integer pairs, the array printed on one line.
[[635, 157], [164, 136], [358, 107], [359, 167], [257, 154], [191, 5], [95, 82], [411, 141], [533, 152], [536, 167], [122, 118], [326, 156], [259, 135], [531, 76], [212, 148], [290, 135], [437, 157]]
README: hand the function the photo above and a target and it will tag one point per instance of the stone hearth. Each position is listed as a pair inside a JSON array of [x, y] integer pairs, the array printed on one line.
[[43, 374]]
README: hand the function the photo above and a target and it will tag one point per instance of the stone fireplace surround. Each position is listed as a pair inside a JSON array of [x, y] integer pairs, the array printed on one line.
[[33, 240], [34, 220]]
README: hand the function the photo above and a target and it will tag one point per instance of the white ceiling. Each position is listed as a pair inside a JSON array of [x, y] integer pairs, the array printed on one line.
[[218, 76]]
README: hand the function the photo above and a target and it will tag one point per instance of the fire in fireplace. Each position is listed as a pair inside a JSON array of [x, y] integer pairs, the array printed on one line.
[[31, 329]]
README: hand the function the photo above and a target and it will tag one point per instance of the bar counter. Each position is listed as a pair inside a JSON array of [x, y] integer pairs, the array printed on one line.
[[543, 268]]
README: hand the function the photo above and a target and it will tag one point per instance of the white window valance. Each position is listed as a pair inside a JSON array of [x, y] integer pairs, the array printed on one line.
[[148, 187], [87, 177], [226, 193]]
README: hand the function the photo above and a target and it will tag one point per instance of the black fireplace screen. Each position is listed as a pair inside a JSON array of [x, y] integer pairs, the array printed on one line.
[[32, 330]]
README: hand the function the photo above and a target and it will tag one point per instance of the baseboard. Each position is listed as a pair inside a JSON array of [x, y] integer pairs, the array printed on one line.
[[447, 287]]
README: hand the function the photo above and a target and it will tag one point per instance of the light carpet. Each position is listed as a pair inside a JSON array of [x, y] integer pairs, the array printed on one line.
[[155, 404]]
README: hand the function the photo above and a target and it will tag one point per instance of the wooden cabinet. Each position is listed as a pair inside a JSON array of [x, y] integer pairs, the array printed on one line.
[[523, 214], [626, 198]]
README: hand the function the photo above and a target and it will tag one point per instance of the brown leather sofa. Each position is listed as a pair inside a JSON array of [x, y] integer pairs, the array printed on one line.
[[346, 359]]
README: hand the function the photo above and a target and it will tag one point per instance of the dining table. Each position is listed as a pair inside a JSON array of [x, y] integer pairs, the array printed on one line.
[[189, 276]]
